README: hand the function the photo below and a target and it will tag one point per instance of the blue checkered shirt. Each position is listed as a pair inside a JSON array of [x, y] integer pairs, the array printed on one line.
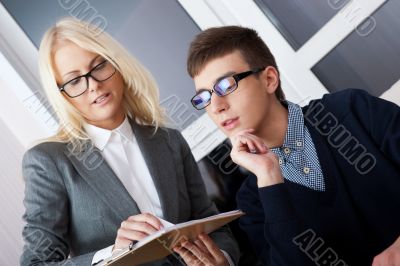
[[297, 156]]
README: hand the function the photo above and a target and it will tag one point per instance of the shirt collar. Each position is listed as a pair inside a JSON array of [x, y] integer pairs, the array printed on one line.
[[125, 130], [294, 138], [101, 136]]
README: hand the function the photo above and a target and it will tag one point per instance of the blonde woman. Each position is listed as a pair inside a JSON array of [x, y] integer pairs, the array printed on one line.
[[113, 170]]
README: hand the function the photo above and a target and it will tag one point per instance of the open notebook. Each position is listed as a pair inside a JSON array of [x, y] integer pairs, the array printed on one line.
[[160, 244]]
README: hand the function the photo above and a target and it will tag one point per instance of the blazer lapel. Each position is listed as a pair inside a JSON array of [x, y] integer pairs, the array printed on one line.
[[161, 165], [90, 164]]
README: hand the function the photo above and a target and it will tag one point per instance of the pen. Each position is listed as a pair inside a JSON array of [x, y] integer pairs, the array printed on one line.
[[97, 262], [132, 244]]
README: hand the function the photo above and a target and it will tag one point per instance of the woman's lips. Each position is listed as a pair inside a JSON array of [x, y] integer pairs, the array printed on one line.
[[230, 123], [103, 99]]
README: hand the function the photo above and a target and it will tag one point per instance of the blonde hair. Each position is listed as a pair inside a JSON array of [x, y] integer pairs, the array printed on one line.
[[141, 97]]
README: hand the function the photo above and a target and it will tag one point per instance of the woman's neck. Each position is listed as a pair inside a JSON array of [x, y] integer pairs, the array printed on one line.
[[110, 123]]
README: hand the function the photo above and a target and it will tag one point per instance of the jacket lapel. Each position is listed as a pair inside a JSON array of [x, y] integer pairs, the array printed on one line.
[[161, 165], [90, 164]]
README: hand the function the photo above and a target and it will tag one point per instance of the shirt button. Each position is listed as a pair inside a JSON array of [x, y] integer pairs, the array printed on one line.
[[280, 161], [306, 170], [286, 150], [299, 143]]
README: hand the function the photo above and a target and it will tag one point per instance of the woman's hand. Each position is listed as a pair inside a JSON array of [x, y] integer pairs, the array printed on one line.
[[136, 228], [249, 151], [202, 251]]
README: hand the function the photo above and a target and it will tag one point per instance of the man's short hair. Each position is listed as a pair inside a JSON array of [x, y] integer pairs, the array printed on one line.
[[220, 41]]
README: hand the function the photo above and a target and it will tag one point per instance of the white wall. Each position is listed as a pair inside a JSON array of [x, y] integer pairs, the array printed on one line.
[[11, 196], [22, 121], [393, 94]]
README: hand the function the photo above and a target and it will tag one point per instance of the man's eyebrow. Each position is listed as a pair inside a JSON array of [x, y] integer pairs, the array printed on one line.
[[90, 65], [227, 74]]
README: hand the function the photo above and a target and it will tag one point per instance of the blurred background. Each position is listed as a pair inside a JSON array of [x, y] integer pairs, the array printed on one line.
[[321, 46]]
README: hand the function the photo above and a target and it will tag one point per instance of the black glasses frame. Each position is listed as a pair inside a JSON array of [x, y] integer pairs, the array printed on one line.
[[237, 77], [86, 76]]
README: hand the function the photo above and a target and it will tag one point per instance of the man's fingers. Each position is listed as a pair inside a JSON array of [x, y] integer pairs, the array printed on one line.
[[243, 143], [197, 252], [258, 143], [186, 255], [249, 143], [210, 245], [201, 245]]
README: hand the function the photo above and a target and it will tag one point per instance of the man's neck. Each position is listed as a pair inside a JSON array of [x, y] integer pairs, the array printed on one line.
[[273, 130]]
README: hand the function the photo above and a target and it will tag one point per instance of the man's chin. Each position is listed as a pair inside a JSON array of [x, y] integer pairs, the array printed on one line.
[[230, 133]]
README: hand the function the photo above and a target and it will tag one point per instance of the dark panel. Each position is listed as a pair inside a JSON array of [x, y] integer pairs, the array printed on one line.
[[299, 20], [369, 58]]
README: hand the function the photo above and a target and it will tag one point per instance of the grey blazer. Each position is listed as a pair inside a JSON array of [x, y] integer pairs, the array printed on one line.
[[75, 203]]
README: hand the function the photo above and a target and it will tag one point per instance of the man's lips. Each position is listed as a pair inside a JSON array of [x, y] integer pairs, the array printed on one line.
[[230, 123]]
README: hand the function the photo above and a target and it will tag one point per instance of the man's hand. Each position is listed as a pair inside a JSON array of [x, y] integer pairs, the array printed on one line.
[[202, 251], [390, 256], [249, 151]]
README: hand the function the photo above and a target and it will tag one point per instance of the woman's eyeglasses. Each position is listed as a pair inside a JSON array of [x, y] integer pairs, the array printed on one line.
[[222, 88], [77, 86]]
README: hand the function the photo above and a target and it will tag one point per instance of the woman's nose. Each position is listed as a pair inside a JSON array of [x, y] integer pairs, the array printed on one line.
[[93, 84]]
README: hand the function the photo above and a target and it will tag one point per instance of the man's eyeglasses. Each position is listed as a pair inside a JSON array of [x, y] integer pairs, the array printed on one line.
[[222, 88], [77, 86]]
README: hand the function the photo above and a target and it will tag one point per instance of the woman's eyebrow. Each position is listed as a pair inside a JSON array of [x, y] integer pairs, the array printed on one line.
[[90, 65]]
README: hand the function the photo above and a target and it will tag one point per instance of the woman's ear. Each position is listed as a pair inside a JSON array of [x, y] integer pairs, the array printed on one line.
[[270, 78]]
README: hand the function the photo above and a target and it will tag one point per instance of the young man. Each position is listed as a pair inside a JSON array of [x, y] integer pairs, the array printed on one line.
[[326, 177]]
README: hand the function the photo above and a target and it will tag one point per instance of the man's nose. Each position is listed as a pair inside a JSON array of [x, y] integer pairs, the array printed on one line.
[[218, 104]]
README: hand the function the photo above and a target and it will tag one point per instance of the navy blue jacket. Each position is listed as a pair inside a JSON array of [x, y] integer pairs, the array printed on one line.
[[357, 139]]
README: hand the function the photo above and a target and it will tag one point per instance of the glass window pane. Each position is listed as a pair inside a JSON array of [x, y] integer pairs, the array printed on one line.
[[367, 60], [157, 32], [298, 20]]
